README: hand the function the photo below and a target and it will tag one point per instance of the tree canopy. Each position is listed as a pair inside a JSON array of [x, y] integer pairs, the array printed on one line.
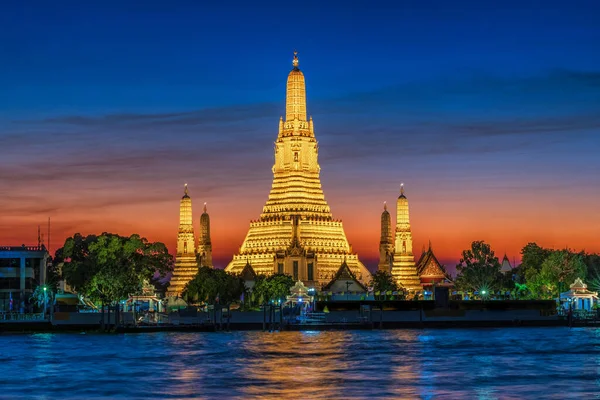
[[479, 269], [212, 285], [558, 270], [383, 281], [110, 267], [273, 287]]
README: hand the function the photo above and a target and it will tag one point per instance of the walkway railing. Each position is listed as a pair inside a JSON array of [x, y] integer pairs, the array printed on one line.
[[5, 317]]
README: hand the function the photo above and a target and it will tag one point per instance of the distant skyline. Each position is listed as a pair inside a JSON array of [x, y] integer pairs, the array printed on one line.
[[489, 114]]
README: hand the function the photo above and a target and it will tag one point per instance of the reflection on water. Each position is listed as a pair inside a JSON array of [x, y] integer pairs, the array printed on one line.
[[467, 363]]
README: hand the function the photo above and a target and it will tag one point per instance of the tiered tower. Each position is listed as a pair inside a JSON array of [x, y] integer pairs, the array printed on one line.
[[296, 233], [186, 265], [403, 268], [386, 242], [204, 245]]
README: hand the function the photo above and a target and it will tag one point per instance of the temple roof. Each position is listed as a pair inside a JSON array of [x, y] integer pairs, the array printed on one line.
[[299, 289], [248, 273], [578, 289], [344, 273], [506, 267], [429, 266]]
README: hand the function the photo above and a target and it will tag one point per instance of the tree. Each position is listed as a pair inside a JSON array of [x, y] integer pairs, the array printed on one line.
[[41, 297], [272, 287], [592, 262], [110, 267], [532, 258], [479, 270], [383, 282], [558, 270], [214, 286]]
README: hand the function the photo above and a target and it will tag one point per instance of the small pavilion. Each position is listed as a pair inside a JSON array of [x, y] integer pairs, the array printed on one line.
[[579, 296], [299, 294]]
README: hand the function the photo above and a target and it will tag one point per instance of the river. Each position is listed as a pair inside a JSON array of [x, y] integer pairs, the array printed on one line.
[[513, 363]]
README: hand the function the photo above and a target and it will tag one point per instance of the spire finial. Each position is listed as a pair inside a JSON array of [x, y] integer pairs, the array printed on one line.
[[186, 189], [385, 206], [402, 188], [295, 62], [204, 206]]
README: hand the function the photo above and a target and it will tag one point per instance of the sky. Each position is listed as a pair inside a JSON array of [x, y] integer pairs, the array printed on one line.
[[489, 114]]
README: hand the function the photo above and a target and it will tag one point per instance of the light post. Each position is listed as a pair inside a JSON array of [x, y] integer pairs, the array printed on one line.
[[45, 300]]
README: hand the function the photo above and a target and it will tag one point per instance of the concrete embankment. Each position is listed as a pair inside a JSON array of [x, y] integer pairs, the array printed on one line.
[[278, 320]]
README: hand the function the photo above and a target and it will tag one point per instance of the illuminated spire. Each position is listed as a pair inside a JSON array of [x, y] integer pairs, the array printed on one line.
[[402, 218], [204, 243], [185, 210], [185, 260], [386, 225], [295, 107]]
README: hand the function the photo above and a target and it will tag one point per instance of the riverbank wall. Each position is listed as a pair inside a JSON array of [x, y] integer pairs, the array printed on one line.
[[363, 317]]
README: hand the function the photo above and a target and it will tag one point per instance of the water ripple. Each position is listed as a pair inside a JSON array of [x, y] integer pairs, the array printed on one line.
[[536, 363]]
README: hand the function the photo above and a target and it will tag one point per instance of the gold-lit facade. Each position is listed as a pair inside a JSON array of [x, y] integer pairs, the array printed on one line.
[[296, 233], [397, 256], [188, 257]]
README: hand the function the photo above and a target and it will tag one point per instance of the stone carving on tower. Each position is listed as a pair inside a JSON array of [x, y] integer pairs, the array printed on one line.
[[296, 233], [204, 244], [403, 263], [186, 265], [386, 242]]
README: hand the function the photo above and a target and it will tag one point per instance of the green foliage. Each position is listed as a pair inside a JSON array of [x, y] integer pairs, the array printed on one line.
[[110, 267], [383, 281], [272, 287], [479, 269], [214, 285], [557, 272], [592, 262], [532, 258], [39, 297]]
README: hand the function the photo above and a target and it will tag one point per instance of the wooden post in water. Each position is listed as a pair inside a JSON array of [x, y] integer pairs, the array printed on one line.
[[280, 317], [228, 315]]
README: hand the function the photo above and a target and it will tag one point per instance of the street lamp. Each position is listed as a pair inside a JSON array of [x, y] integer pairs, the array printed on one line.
[[45, 301]]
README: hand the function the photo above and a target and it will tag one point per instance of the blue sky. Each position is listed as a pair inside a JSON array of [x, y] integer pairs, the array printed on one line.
[[461, 99]]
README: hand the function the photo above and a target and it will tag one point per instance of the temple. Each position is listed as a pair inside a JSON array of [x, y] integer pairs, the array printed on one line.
[[204, 244], [296, 233], [386, 243], [429, 269], [187, 258], [403, 260], [506, 267]]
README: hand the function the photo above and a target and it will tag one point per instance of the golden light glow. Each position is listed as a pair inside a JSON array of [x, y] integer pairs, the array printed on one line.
[[186, 265], [296, 233], [397, 256]]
